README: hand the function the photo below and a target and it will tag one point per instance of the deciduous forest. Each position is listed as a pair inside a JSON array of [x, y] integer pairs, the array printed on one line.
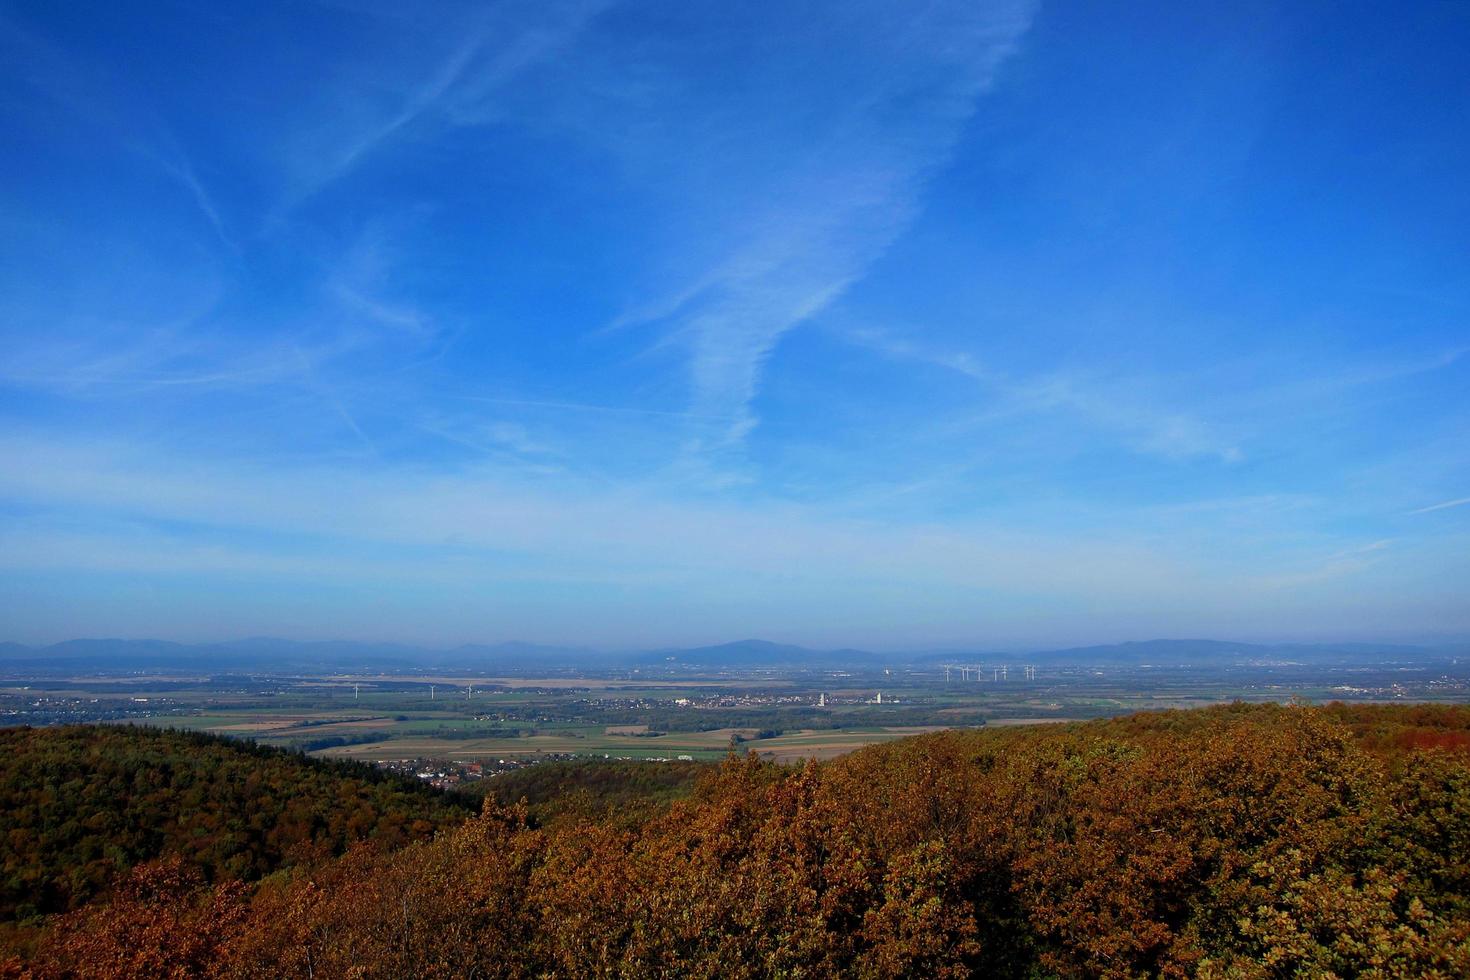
[[1239, 841], [83, 803]]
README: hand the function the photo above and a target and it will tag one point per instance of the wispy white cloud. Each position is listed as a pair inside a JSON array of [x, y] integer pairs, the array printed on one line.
[[565, 526], [1110, 403], [479, 53], [1348, 561], [582, 407], [358, 280], [1445, 505], [116, 508], [178, 166], [106, 103], [121, 360], [1167, 433], [333, 400], [839, 178]]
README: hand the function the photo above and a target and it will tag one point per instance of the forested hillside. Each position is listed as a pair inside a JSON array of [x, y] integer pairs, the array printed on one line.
[[1243, 841], [570, 789], [82, 803]]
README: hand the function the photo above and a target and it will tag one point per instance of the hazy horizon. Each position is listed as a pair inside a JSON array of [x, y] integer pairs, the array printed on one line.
[[1430, 643], [622, 325]]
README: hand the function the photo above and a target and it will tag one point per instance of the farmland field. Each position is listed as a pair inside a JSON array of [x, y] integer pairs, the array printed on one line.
[[664, 714]]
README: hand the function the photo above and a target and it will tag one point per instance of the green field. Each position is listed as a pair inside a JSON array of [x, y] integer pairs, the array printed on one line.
[[699, 745]]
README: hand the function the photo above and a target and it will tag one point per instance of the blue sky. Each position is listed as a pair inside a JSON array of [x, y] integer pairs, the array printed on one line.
[[877, 323]]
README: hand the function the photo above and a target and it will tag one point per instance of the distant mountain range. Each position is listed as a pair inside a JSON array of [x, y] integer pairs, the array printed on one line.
[[264, 653], [261, 654], [1165, 652]]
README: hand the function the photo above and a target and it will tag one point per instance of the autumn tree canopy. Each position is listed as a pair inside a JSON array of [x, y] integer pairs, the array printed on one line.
[[1241, 841]]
